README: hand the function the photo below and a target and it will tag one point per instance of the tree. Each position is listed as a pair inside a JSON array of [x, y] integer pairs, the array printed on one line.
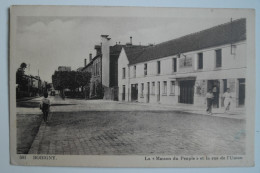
[[70, 79], [82, 79], [21, 80]]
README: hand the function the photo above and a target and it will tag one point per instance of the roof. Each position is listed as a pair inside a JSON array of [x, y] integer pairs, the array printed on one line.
[[227, 33], [91, 62]]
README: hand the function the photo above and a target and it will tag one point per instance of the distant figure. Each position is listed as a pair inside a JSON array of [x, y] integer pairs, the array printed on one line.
[[62, 95], [45, 107], [227, 99], [209, 99]]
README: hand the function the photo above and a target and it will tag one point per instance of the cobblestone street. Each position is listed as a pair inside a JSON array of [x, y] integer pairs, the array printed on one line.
[[75, 130]]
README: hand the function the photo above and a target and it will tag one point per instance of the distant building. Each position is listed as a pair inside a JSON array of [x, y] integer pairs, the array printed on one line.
[[64, 68], [180, 71], [104, 67], [79, 69], [94, 67]]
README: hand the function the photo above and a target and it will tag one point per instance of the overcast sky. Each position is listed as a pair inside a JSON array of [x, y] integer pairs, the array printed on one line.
[[48, 42]]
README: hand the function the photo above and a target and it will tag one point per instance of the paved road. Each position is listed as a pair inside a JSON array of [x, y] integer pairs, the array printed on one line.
[[76, 127]]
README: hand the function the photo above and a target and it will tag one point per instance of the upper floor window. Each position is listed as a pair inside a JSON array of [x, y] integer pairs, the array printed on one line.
[[174, 64], [164, 87], [145, 69], [123, 73], [158, 67], [200, 60], [218, 58], [135, 71], [99, 68], [96, 68]]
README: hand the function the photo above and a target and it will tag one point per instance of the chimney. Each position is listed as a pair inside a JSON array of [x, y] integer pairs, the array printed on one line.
[[85, 62], [131, 40], [105, 49], [98, 49], [90, 57]]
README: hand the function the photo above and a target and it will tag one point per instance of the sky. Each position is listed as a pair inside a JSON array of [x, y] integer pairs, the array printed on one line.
[[44, 43]]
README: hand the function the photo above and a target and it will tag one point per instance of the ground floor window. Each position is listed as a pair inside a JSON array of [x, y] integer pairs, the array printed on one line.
[[153, 88], [164, 87], [173, 87], [142, 89], [241, 91]]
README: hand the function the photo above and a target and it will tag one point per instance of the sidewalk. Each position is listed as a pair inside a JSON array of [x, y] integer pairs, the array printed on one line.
[[238, 113], [26, 98]]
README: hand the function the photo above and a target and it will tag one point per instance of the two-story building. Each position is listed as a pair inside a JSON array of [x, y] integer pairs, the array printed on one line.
[[183, 69], [94, 67]]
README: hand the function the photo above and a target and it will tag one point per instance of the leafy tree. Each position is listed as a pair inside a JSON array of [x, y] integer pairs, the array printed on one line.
[[21, 80], [70, 79]]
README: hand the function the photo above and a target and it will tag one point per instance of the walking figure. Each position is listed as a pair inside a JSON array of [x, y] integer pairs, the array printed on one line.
[[227, 99], [45, 107], [209, 97]]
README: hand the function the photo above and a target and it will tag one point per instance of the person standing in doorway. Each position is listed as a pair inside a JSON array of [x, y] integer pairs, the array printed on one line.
[[209, 99], [227, 99], [215, 94]]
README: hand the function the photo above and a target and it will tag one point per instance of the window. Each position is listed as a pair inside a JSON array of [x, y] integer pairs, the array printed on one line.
[[172, 87], [218, 58], [123, 75], [135, 71], [96, 68], [153, 87], [158, 67], [145, 69], [142, 90], [200, 60], [164, 87], [174, 64]]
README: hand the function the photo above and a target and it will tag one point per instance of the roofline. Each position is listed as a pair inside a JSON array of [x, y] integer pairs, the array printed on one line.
[[198, 50], [100, 55], [197, 32]]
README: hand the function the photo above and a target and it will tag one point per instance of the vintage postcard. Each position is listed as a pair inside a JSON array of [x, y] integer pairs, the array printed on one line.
[[131, 86]]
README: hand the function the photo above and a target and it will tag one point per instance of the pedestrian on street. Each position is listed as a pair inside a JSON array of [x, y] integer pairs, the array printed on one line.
[[227, 99], [45, 107], [209, 99]]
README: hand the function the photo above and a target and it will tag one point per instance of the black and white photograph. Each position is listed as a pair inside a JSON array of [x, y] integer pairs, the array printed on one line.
[[131, 86]]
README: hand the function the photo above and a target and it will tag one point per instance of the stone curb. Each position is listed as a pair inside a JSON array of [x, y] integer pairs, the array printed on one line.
[[38, 138]]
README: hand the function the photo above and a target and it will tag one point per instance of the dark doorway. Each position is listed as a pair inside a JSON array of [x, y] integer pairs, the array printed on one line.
[[134, 92], [242, 92], [148, 92], [123, 93], [186, 91], [214, 86]]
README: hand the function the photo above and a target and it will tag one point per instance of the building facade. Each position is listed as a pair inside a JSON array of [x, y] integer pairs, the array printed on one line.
[[94, 67], [180, 71], [64, 68]]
